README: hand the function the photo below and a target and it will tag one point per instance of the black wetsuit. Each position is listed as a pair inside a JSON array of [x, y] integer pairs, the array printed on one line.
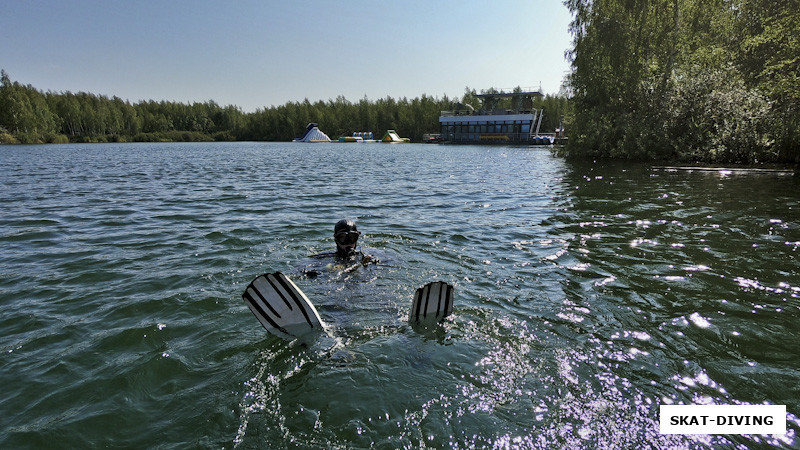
[[338, 262]]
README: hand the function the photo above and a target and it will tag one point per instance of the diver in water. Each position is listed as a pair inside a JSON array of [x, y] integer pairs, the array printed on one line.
[[285, 311], [345, 235]]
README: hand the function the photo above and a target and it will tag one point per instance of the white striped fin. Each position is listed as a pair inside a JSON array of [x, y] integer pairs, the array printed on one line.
[[281, 307], [434, 301]]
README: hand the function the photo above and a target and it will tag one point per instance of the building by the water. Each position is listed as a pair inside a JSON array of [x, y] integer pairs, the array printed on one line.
[[517, 124]]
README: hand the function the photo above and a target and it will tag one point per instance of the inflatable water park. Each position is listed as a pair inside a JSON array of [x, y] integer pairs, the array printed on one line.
[[313, 134], [391, 137], [358, 136]]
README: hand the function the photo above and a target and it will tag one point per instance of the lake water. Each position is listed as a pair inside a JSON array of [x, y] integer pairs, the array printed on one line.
[[586, 296]]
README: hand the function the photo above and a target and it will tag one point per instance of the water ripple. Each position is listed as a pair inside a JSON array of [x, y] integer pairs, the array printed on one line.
[[587, 295]]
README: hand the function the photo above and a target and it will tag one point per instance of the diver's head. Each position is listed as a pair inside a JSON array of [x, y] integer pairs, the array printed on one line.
[[346, 236]]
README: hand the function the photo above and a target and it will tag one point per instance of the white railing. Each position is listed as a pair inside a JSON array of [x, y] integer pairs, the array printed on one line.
[[485, 112]]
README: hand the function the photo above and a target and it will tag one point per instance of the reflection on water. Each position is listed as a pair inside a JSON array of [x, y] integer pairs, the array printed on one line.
[[586, 296]]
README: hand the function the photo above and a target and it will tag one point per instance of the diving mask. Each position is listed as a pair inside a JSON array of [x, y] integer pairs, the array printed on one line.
[[347, 237]]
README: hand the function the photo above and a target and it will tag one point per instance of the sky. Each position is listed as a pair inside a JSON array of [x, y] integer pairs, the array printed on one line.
[[256, 54]]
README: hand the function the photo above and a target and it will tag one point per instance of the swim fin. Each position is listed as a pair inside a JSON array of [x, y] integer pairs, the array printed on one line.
[[281, 307], [432, 301]]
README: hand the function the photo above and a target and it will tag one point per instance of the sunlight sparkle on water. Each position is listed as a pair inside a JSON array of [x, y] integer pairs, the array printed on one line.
[[699, 320], [697, 268]]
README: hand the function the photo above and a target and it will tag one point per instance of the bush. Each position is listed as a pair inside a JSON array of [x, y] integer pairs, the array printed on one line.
[[29, 138], [224, 136], [6, 138], [173, 136], [714, 117]]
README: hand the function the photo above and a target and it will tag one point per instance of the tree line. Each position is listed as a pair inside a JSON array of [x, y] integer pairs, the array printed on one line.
[[28, 115], [693, 80], [701, 80]]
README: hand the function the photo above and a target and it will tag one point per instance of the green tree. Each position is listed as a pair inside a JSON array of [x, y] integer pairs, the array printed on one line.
[[663, 79], [25, 111], [769, 56]]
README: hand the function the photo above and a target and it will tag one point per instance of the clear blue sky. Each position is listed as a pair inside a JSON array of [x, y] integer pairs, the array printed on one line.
[[256, 54]]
